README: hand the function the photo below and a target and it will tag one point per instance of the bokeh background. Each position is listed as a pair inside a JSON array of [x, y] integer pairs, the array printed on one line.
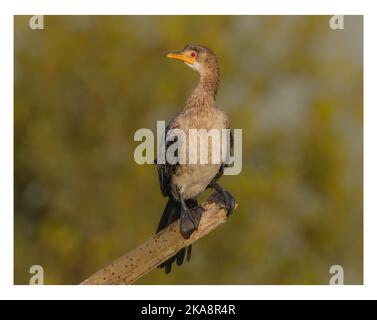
[[85, 84]]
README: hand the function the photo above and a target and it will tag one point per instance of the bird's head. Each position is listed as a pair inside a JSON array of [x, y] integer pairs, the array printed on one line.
[[197, 57]]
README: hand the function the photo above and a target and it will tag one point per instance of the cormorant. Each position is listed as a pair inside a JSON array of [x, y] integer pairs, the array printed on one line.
[[183, 183]]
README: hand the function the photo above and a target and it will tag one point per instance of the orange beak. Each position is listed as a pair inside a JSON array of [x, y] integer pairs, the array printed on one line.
[[181, 57]]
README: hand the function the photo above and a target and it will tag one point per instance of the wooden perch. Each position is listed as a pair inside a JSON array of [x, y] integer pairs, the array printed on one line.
[[149, 255]]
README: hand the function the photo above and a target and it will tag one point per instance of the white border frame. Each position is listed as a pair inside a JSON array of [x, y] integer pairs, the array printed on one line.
[[168, 7]]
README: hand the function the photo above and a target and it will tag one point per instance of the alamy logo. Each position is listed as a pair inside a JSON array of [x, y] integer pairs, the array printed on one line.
[[38, 275], [197, 146], [36, 23], [337, 23], [338, 275]]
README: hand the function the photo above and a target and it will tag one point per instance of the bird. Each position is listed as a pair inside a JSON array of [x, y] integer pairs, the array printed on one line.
[[183, 183]]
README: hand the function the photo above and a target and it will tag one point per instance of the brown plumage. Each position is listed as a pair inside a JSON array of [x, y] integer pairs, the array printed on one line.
[[183, 183]]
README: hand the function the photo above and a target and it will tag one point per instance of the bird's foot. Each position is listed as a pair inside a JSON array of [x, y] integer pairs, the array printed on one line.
[[225, 200], [190, 219]]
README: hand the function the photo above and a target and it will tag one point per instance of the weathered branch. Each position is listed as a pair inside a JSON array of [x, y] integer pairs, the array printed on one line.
[[149, 255]]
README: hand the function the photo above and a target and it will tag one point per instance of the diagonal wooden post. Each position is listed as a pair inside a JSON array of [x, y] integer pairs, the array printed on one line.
[[157, 249]]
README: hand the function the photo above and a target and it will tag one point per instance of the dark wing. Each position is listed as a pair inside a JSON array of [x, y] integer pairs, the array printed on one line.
[[224, 165], [231, 142], [163, 178], [166, 170]]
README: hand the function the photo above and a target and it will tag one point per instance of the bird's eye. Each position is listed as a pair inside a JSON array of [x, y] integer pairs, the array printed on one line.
[[193, 54]]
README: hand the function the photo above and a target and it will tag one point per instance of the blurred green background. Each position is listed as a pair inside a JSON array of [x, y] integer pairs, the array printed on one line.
[[85, 84]]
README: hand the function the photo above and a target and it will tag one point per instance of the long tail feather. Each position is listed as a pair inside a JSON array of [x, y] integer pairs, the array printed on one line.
[[171, 214]]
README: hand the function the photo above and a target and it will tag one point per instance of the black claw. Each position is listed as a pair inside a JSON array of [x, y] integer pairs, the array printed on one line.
[[230, 203], [186, 227], [224, 200], [190, 219]]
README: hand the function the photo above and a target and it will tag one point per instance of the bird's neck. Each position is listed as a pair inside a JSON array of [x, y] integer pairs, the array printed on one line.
[[205, 92]]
